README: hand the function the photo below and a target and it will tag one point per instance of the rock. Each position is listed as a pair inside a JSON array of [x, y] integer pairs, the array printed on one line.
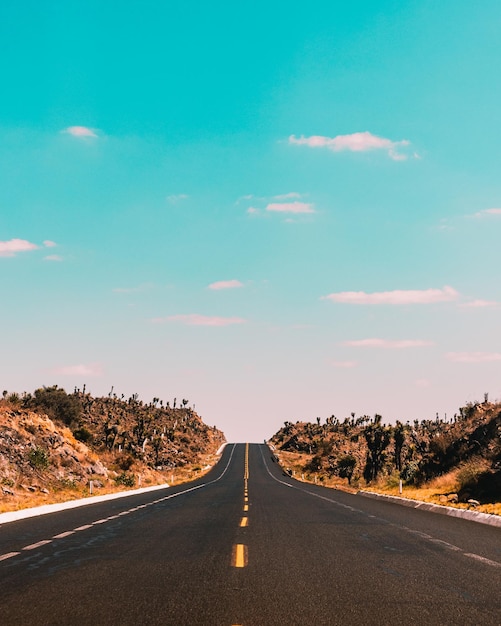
[[473, 503], [32, 488], [98, 469], [8, 492], [44, 490], [452, 497], [442, 499], [97, 484]]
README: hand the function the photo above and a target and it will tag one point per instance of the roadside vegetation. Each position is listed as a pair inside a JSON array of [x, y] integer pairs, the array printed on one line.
[[455, 462], [56, 446]]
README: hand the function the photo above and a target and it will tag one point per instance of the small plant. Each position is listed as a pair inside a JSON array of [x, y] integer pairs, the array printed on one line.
[[125, 461], [126, 479], [38, 458], [410, 472], [14, 398], [68, 483], [83, 434], [470, 472]]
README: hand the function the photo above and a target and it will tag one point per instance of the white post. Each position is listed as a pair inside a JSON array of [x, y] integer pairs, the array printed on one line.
[[91, 485], [139, 479], [400, 486]]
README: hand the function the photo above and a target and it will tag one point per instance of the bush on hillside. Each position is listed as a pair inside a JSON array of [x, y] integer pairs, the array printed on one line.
[[56, 403]]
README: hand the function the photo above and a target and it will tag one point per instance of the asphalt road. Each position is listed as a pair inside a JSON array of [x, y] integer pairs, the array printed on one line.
[[247, 545]]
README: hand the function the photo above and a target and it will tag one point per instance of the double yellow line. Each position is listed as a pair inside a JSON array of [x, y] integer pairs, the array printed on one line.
[[240, 556]]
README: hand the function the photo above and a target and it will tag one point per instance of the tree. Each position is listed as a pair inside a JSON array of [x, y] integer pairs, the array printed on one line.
[[56, 403], [399, 439], [378, 439], [346, 466]]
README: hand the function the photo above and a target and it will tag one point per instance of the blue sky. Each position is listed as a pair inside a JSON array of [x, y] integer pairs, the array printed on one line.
[[277, 214]]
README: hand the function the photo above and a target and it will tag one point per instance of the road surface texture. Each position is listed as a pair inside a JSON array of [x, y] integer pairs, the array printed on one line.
[[248, 545]]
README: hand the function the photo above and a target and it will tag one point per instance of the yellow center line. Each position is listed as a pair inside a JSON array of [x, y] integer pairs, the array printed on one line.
[[246, 507], [246, 462], [244, 522], [239, 555]]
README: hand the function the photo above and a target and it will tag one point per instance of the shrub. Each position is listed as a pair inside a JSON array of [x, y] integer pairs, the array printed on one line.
[[346, 466], [125, 461], [83, 434], [56, 403], [410, 472], [38, 458], [126, 479], [14, 398], [470, 472]]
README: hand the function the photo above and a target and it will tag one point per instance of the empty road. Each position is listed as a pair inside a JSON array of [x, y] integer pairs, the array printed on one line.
[[247, 545]]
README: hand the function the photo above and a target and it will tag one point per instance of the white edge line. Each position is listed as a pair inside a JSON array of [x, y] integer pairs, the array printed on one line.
[[13, 516], [477, 557], [472, 516]]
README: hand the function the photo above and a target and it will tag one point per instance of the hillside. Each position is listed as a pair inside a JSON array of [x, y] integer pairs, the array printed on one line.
[[459, 459], [52, 444]]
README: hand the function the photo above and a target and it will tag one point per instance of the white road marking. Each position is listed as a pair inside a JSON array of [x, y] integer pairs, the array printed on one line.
[[482, 559], [424, 536], [39, 544], [44, 542], [8, 555]]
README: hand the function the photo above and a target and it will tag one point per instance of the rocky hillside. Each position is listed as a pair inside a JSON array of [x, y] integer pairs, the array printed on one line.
[[53, 443], [366, 451]]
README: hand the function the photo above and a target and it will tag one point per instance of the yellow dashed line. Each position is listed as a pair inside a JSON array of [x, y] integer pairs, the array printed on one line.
[[239, 555], [244, 522], [246, 507]]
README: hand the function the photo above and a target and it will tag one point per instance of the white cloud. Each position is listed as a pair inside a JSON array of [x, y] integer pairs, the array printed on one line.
[[487, 212], [92, 369], [479, 304], [291, 207], [391, 344], [473, 357], [225, 284], [13, 246], [49, 244], [356, 142], [174, 198], [53, 257], [252, 210], [426, 296], [194, 319], [80, 131]]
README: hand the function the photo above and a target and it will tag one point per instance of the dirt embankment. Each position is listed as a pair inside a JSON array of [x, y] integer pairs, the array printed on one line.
[[455, 462], [56, 446]]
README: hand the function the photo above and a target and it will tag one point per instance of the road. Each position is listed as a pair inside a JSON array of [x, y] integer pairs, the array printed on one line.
[[247, 545]]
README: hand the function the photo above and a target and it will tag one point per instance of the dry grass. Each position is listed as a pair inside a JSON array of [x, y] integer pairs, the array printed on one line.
[[433, 492], [60, 493]]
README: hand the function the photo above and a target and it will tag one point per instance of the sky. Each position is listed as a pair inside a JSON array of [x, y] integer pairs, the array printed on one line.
[[276, 211]]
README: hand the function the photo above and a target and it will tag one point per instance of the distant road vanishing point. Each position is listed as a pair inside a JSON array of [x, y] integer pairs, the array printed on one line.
[[248, 545]]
